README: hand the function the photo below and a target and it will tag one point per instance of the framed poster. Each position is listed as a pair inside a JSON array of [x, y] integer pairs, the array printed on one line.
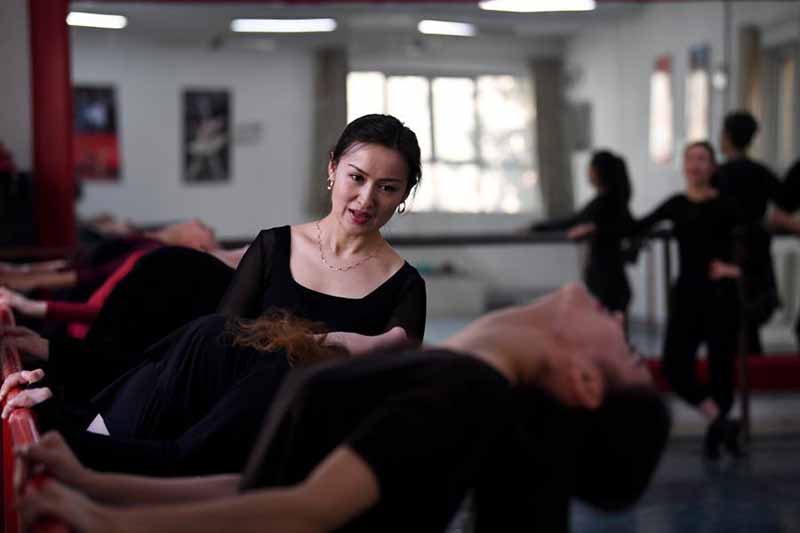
[[698, 94], [206, 135], [96, 145]]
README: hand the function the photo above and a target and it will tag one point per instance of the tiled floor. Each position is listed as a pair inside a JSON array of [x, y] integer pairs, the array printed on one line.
[[758, 494]]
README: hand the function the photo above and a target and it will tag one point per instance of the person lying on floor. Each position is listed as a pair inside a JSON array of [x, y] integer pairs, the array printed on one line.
[[159, 295], [86, 271], [392, 442]]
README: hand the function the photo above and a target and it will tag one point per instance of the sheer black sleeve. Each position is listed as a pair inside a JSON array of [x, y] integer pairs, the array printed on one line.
[[409, 313], [663, 212], [589, 213], [243, 297]]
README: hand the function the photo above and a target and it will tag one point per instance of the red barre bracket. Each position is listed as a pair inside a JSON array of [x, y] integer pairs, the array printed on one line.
[[767, 373], [18, 430]]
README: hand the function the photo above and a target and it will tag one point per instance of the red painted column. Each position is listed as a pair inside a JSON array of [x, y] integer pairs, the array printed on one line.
[[51, 102]]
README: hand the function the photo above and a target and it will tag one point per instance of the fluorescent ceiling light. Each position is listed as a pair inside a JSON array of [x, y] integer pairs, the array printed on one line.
[[537, 6], [95, 20], [283, 25], [442, 27]]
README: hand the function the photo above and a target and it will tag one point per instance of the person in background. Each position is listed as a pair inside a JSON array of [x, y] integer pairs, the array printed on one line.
[[606, 221], [704, 300], [751, 186]]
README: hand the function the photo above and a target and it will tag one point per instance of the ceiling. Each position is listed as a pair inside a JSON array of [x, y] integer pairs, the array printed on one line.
[[206, 20]]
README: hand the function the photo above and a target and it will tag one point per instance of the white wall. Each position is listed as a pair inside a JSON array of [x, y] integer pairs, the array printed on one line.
[[15, 94], [269, 177], [613, 63]]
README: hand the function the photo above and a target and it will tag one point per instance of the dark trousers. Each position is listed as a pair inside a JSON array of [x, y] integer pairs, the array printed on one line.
[[707, 313]]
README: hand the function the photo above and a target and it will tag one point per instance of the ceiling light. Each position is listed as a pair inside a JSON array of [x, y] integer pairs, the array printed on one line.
[[283, 25], [441, 27], [95, 20], [537, 6]]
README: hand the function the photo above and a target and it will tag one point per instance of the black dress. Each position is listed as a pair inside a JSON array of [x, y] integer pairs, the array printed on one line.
[[159, 295], [264, 281], [701, 309], [432, 425], [751, 186], [196, 402], [604, 273], [789, 200]]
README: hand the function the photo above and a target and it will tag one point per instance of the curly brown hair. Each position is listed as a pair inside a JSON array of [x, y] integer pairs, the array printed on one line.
[[304, 341]]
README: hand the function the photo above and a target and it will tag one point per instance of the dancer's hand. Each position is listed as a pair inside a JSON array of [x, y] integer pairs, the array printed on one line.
[[720, 270], [27, 397], [23, 377], [26, 340], [53, 500], [580, 231], [20, 303], [358, 344], [53, 453]]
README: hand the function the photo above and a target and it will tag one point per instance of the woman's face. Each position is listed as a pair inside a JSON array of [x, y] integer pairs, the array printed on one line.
[[698, 166], [369, 184]]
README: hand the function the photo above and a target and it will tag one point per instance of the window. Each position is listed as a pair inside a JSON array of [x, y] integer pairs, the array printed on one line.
[[662, 135], [475, 134], [787, 94], [698, 95]]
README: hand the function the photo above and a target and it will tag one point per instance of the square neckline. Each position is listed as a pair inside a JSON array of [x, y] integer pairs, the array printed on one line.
[[288, 251]]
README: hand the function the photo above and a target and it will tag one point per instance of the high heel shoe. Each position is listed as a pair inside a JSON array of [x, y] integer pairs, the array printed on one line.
[[715, 433], [732, 438]]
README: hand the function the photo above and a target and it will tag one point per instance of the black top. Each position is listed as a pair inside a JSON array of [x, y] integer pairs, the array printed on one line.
[[431, 416], [703, 231], [195, 405], [612, 222], [789, 195], [432, 425], [750, 184], [159, 295], [264, 281]]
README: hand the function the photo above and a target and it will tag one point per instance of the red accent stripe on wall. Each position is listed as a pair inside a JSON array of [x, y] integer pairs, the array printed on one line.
[[51, 99]]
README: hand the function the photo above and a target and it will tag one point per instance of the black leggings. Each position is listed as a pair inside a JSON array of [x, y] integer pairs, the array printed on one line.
[[698, 314]]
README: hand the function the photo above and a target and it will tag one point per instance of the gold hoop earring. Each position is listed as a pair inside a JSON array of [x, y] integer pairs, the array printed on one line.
[[402, 208], [330, 182]]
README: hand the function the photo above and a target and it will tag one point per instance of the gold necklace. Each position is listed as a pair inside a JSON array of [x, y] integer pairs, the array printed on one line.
[[333, 267]]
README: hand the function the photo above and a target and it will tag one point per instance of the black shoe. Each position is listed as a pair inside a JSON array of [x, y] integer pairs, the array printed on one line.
[[714, 435], [732, 438]]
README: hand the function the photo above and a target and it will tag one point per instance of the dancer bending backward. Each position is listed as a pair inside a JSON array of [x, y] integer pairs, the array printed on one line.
[[353, 445], [605, 220], [704, 302], [177, 411]]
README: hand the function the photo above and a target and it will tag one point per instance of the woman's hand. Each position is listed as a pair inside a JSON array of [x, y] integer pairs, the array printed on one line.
[[720, 270], [27, 341], [23, 377], [20, 303], [51, 500], [57, 459], [26, 398], [358, 344], [580, 231]]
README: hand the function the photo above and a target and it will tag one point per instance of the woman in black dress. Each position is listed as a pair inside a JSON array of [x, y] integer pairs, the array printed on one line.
[[704, 301], [173, 412], [605, 221]]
